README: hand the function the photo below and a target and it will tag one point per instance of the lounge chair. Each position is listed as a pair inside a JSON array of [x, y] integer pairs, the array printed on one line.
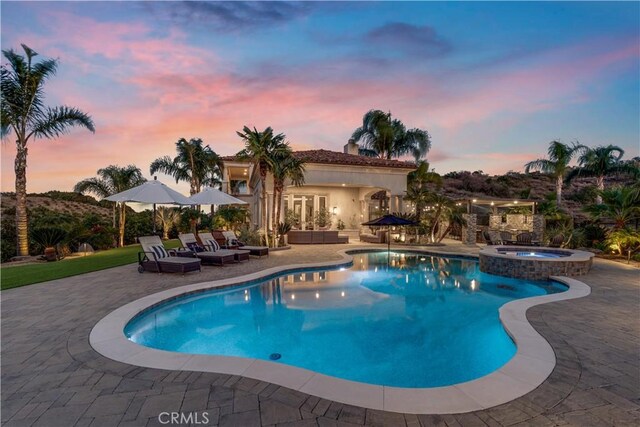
[[155, 257], [219, 237], [380, 236], [232, 241], [556, 241], [490, 238], [212, 244], [209, 253], [506, 238], [523, 239]]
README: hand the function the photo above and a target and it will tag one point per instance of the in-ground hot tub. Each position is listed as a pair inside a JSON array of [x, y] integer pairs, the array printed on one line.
[[534, 263]]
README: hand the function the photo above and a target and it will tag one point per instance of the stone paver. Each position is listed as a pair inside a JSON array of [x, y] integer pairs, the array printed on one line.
[[52, 377]]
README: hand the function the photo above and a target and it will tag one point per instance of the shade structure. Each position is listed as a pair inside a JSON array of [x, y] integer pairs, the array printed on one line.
[[153, 192], [213, 196], [389, 220]]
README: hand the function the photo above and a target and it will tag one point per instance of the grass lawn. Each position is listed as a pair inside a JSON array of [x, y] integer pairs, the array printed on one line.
[[21, 275]]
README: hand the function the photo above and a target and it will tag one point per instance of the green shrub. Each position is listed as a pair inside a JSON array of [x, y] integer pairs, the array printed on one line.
[[585, 195], [322, 218], [138, 224], [248, 236], [231, 216], [283, 228], [7, 250], [623, 240], [48, 237], [594, 233], [292, 218]]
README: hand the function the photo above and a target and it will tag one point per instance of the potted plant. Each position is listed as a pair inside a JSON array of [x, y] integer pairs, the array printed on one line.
[[290, 217], [283, 229], [49, 238], [322, 219], [340, 226]]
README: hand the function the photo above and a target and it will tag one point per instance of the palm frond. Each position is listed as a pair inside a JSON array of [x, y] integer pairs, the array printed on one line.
[[542, 165], [94, 186], [367, 152], [58, 120]]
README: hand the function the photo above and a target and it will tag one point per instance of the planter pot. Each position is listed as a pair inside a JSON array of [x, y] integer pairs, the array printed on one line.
[[50, 254]]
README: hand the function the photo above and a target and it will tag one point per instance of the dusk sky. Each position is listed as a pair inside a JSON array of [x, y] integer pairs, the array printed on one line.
[[493, 83]]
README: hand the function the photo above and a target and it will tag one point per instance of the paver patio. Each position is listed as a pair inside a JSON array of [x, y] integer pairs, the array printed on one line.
[[52, 377]]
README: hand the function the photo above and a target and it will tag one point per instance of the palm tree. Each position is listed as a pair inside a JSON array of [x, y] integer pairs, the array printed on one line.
[[262, 148], [441, 207], [195, 163], [599, 162], [286, 166], [112, 180], [387, 138], [557, 165], [23, 111], [455, 218], [420, 182], [167, 218], [619, 204]]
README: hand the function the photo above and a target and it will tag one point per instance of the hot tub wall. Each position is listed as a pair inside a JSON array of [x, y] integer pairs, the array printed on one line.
[[532, 269]]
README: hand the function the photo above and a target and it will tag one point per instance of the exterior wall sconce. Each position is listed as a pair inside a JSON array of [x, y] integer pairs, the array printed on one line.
[[335, 210]]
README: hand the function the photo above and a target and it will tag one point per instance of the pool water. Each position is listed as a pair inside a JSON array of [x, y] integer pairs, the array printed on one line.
[[410, 321]]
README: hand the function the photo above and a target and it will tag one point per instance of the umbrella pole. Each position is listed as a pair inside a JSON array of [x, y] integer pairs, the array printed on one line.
[[388, 245], [154, 219]]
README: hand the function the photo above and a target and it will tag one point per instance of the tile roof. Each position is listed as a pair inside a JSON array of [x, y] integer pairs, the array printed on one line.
[[338, 158]]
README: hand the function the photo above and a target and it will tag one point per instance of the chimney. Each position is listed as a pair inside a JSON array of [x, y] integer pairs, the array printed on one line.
[[351, 147]]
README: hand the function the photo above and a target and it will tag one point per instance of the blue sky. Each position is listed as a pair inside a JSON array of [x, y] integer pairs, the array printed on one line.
[[493, 83]]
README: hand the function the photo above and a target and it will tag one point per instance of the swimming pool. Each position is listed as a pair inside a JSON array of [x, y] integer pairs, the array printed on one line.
[[421, 321]]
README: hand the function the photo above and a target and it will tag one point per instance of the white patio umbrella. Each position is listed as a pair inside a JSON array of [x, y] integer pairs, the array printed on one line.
[[153, 192], [213, 196]]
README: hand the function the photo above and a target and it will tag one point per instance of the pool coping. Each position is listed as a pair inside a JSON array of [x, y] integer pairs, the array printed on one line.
[[531, 365]]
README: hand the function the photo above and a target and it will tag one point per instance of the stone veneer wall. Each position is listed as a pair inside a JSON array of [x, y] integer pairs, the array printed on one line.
[[469, 232], [495, 222], [538, 226], [514, 221], [531, 269]]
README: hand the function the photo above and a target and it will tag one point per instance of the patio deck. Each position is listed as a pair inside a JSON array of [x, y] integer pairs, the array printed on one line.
[[52, 377]]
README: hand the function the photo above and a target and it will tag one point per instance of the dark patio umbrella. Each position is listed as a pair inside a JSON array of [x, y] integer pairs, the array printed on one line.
[[388, 220]]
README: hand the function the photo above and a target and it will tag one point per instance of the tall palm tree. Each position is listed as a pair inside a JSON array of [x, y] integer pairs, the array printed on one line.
[[262, 149], [194, 163], [286, 166], [600, 162], [112, 180], [23, 112], [557, 165], [385, 137]]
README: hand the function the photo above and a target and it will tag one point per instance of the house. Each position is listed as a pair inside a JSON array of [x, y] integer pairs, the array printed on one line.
[[352, 188]]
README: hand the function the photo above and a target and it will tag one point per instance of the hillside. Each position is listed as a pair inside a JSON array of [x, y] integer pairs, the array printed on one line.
[[62, 202], [535, 186]]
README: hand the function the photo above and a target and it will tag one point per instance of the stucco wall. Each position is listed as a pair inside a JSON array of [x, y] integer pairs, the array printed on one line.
[[345, 199], [394, 180]]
